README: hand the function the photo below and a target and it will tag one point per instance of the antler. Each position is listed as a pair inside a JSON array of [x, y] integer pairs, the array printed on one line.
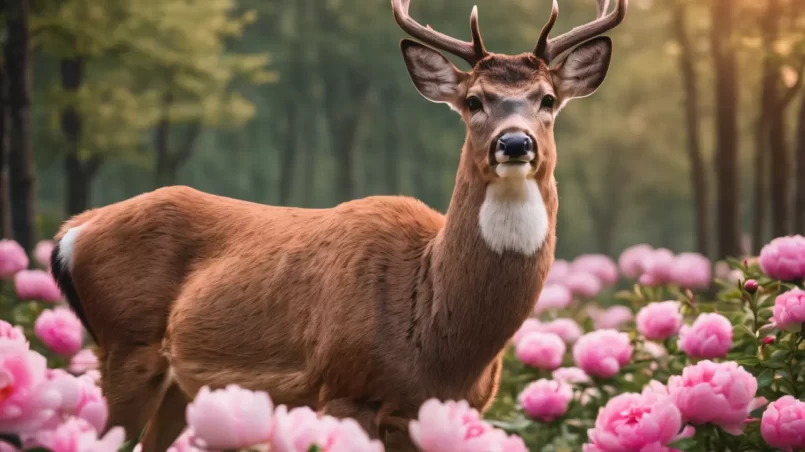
[[471, 52], [547, 49]]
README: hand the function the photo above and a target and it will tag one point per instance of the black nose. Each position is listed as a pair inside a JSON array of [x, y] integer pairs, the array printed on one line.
[[515, 144]]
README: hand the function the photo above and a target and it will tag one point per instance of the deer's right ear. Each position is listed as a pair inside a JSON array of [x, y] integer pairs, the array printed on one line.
[[434, 76]]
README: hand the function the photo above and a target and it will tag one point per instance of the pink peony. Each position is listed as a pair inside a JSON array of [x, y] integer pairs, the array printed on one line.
[[789, 310], [183, 443], [691, 271], [230, 418], [540, 350], [60, 330], [709, 337], [80, 397], [26, 400], [42, 252], [783, 424], [12, 258], [299, 429], [631, 260], [83, 361], [546, 400], [559, 271], [583, 284], [599, 265], [11, 333], [611, 318], [714, 393], [553, 296], [36, 285], [570, 375], [784, 258], [567, 329], [76, 435], [529, 326], [659, 321], [454, 426], [657, 267], [602, 353], [636, 422]]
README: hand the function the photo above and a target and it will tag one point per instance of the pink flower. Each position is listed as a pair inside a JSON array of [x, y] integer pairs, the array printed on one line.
[[42, 252], [83, 361], [529, 326], [546, 400], [783, 424], [230, 418], [76, 435], [631, 260], [26, 402], [789, 310], [183, 443], [715, 393], [570, 375], [709, 337], [454, 426], [540, 350], [691, 271], [36, 285], [599, 265], [567, 329], [9, 332], [602, 353], [80, 397], [611, 318], [784, 258], [583, 284], [635, 422], [60, 330], [659, 321], [553, 296], [299, 429], [12, 258], [657, 267], [559, 271]]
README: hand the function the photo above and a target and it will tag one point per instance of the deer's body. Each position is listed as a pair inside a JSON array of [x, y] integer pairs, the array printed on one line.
[[364, 310]]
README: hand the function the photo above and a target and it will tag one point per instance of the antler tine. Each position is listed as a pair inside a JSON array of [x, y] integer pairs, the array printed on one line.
[[602, 24], [541, 49], [471, 52]]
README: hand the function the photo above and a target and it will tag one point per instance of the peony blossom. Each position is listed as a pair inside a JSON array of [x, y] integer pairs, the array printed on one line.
[[602, 353], [567, 329], [599, 265], [709, 337], [529, 326], [80, 397], [76, 435], [657, 267], [26, 400], [783, 424], [36, 285], [789, 310], [42, 252], [540, 350], [714, 393], [9, 332], [230, 418], [583, 284], [83, 361], [611, 318], [454, 426], [570, 375], [60, 330], [300, 428], [553, 296], [12, 258], [784, 258], [545, 400], [691, 271], [559, 271], [631, 260], [659, 321]]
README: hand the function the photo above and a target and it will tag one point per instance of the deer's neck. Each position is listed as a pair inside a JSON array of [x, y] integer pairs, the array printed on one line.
[[487, 268]]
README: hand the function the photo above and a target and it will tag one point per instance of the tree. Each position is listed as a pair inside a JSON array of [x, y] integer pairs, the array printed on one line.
[[799, 196]]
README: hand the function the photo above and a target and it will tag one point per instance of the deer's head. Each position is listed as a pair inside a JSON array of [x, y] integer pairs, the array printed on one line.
[[509, 102]]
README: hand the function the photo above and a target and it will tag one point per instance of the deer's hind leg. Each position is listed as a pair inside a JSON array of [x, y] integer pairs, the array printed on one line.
[[169, 421]]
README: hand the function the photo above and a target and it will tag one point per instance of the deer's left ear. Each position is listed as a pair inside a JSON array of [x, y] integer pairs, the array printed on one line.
[[583, 69]]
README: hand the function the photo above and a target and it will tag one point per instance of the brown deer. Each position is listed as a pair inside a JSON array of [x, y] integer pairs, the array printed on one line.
[[366, 309]]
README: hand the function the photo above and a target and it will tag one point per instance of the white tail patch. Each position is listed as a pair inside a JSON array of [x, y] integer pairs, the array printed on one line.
[[67, 246], [513, 216]]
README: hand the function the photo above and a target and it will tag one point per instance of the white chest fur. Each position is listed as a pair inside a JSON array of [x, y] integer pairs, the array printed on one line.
[[513, 216]]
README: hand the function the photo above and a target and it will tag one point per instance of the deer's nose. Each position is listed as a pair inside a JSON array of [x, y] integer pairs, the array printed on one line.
[[515, 144]]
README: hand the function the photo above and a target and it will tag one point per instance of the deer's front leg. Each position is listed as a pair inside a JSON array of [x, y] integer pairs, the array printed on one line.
[[364, 413]]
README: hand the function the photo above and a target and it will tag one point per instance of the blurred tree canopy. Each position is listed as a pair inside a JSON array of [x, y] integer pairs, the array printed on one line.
[[696, 140]]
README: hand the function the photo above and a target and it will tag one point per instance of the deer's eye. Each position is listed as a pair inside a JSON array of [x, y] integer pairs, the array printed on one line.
[[474, 103], [547, 102]]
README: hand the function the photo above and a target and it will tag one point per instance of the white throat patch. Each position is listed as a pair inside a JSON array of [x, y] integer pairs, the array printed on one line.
[[513, 216]]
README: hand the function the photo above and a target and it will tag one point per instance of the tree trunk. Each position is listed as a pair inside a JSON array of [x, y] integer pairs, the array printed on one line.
[[391, 154], [5, 207], [698, 178], [759, 199], [726, 128], [799, 200], [21, 179]]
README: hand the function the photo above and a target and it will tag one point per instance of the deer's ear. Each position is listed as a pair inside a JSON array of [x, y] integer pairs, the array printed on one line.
[[583, 70], [434, 76]]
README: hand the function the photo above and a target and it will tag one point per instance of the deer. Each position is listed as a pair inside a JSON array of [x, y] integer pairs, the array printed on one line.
[[365, 309]]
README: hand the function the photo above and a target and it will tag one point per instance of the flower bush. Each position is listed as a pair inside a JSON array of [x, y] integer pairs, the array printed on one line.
[[644, 353]]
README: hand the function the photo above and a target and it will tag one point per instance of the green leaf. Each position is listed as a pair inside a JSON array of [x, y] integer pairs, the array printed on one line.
[[511, 426], [12, 439], [38, 449], [765, 378], [748, 360], [684, 444], [314, 448]]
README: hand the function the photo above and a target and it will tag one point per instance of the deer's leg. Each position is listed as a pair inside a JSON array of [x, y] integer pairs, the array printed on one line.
[[168, 422], [364, 413]]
